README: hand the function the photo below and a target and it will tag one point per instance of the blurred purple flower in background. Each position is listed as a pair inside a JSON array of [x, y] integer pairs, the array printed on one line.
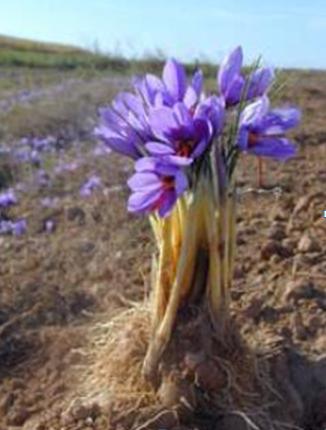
[[262, 130], [49, 226], [8, 198], [50, 202], [93, 183], [16, 228], [42, 178]]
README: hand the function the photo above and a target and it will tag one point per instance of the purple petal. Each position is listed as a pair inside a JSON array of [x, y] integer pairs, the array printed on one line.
[[279, 120], [176, 160], [140, 201], [230, 68], [197, 82], [259, 82], [183, 115], [242, 139], [133, 103], [181, 183], [255, 112], [190, 98], [168, 201], [145, 164], [213, 110], [125, 146], [159, 149], [162, 121], [200, 148], [234, 92], [144, 180], [174, 77], [278, 148]]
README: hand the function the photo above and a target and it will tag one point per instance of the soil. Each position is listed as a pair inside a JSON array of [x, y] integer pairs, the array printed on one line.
[[62, 295]]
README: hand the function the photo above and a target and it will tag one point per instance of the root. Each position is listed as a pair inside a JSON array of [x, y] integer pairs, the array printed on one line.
[[201, 378], [119, 362]]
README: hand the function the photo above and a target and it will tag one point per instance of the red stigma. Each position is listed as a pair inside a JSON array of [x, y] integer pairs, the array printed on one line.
[[184, 148]]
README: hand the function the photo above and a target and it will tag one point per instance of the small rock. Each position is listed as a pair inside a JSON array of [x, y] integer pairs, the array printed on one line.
[[308, 244]]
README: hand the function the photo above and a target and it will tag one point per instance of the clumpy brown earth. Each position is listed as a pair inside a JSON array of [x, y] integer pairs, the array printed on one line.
[[74, 315]]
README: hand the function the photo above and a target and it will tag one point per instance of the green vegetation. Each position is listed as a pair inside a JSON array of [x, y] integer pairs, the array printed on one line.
[[25, 53], [16, 52]]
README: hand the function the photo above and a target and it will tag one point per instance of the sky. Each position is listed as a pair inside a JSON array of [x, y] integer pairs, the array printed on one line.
[[287, 33]]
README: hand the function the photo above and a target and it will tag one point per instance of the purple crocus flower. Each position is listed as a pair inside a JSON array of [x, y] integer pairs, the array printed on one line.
[[118, 133], [232, 83], [172, 88], [261, 131], [125, 126], [155, 186], [92, 183], [182, 136], [8, 198]]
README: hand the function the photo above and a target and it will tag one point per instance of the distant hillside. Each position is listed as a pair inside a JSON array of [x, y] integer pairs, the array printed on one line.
[[18, 44], [28, 53]]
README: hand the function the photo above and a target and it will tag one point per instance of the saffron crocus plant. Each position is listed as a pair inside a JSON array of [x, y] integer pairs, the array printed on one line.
[[186, 146]]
